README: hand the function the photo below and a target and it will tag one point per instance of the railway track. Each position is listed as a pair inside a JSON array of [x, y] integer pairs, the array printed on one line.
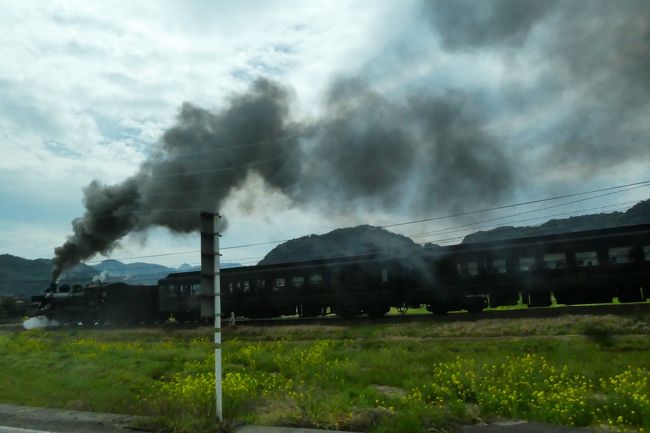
[[641, 308], [617, 309]]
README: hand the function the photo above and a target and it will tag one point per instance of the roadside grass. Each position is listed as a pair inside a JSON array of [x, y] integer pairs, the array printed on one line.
[[480, 327], [373, 377]]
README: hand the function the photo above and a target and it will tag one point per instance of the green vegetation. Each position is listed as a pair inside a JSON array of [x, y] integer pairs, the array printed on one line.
[[383, 378], [637, 214], [346, 242]]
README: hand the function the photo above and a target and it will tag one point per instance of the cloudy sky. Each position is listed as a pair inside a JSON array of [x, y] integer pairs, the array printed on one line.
[[376, 112]]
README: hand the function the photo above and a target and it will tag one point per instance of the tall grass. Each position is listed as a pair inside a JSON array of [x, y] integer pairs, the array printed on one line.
[[359, 381]]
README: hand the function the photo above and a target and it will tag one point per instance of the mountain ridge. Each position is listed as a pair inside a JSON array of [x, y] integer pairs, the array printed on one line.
[[20, 276], [637, 214]]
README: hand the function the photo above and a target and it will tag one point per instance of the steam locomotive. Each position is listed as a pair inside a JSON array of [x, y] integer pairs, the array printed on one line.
[[591, 266]]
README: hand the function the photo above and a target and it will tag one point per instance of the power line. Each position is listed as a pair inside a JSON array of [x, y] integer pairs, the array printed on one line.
[[254, 245], [238, 146], [302, 259], [435, 241], [618, 188], [537, 210], [216, 170], [480, 226], [146, 257], [512, 205], [459, 237], [186, 252]]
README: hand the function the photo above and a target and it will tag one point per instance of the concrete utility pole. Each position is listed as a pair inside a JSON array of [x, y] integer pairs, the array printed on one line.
[[211, 283]]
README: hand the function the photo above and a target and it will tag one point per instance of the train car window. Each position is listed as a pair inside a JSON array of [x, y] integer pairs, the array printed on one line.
[[459, 269], [527, 264], [384, 275], [196, 289], [261, 284], [472, 268], [586, 259], [316, 280], [278, 284], [646, 253], [247, 287], [620, 255], [298, 281], [555, 261], [231, 287], [499, 266]]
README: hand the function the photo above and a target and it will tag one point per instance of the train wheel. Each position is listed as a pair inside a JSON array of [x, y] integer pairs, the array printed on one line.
[[538, 299], [347, 311], [630, 294], [311, 311], [474, 304], [498, 300], [376, 311], [437, 309]]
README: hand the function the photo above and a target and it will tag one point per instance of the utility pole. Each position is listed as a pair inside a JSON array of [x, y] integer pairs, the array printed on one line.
[[211, 283]]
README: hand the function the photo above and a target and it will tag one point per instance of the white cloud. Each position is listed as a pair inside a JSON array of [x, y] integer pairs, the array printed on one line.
[[87, 87]]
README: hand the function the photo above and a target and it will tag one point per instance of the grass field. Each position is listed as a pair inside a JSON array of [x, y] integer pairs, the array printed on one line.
[[410, 377]]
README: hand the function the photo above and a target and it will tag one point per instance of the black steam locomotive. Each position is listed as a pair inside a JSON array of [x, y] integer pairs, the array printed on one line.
[[576, 268]]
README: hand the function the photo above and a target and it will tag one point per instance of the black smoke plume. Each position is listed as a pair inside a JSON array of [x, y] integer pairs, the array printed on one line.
[[590, 55], [417, 153], [410, 155], [200, 160]]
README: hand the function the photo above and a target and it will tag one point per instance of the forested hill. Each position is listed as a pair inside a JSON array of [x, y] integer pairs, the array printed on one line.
[[367, 239], [350, 241], [24, 277], [637, 214]]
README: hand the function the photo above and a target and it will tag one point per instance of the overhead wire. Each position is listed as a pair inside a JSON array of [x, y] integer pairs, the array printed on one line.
[[446, 230], [612, 190], [237, 146], [549, 207], [512, 205], [438, 241], [476, 226], [618, 188], [244, 261]]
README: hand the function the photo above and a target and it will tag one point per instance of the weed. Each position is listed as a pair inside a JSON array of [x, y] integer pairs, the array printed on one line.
[[376, 378]]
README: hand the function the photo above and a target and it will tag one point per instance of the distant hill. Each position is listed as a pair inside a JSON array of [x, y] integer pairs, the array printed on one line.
[[24, 277], [132, 273], [350, 241], [637, 214], [142, 273]]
